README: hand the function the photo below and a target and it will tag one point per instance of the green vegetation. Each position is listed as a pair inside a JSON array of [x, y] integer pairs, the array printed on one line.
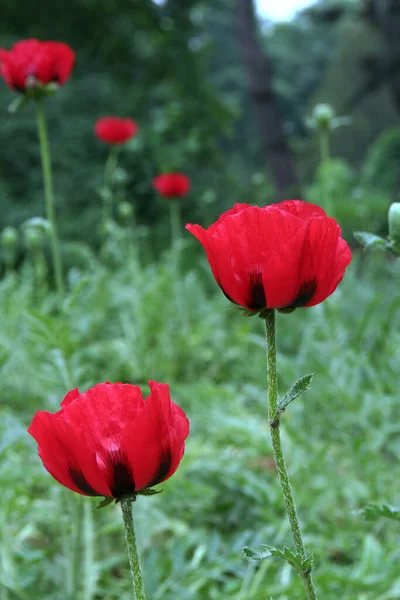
[[341, 437], [132, 313]]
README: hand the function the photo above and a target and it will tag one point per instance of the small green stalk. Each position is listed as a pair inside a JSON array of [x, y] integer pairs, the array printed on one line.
[[324, 146], [49, 198], [274, 423], [176, 227], [89, 576], [134, 563], [109, 169], [325, 157], [175, 220]]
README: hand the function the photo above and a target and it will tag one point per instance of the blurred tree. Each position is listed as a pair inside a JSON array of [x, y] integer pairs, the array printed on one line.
[[277, 151], [385, 68]]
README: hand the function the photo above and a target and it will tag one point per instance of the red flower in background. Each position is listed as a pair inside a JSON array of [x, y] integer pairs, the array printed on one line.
[[282, 256], [108, 441], [172, 185], [44, 62], [113, 130]]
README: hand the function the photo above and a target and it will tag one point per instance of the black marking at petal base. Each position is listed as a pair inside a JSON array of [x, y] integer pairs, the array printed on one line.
[[163, 467], [256, 298], [81, 482], [120, 475], [305, 294]]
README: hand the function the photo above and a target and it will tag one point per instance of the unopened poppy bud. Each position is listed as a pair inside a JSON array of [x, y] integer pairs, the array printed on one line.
[[125, 210], [9, 237], [258, 179], [323, 116], [394, 224], [33, 238], [120, 176]]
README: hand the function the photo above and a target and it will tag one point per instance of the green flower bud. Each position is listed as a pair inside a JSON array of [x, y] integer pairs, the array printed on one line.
[[9, 237], [323, 116], [33, 238], [120, 176], [258, 179], [125, 210], [394, 224], [209, 197]]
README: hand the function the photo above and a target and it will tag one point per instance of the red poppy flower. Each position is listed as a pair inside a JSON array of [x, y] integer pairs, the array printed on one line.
[[108, 441], [281, 256], [113, 130], [44, 62], [172, 185]]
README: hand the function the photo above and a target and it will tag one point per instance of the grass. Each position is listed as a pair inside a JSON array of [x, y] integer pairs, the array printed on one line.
[[341, 438]]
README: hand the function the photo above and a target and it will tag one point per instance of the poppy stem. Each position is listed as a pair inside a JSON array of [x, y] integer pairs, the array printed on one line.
[[111, 165], [134, 563], [325, 157], [274, 423], [49, 198], [175, 219]]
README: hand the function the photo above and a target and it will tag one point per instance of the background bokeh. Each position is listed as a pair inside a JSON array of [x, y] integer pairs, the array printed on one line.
[[179, 69]]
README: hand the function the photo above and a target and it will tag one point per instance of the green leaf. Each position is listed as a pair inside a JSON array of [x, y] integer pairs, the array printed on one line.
[[149, 492], [104, 503], [370, 240], [301, 565], [375, 511], [257, 554], [301, 385], [18, 103]]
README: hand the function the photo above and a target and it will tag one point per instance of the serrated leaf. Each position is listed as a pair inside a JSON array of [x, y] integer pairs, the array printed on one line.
[[149, 492], [295, 560], [375, 511], [105, 502], [301, 385], [370, 240]]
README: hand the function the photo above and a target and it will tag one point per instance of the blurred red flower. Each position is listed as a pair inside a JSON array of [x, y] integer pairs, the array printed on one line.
[[172, 185], [113, 130], [284, 256], [108, 441], [43, 62]]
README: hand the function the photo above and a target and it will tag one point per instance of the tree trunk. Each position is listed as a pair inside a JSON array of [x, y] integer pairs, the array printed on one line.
[[385, 14], [278, 154]]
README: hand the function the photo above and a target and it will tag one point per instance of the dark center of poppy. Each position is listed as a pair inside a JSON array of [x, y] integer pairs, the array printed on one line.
[[256, 294], [119, 474], [81, 482]]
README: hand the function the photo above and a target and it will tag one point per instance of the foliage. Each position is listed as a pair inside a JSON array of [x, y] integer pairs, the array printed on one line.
[[339, 191], [122, 323], [381, 168]]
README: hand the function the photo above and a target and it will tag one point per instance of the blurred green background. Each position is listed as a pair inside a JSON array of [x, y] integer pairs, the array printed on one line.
[[181, 69]]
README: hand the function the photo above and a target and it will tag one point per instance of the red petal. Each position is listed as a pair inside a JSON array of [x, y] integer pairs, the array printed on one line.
[[300, 209], [154, 443], [66, 455], [70, 397]]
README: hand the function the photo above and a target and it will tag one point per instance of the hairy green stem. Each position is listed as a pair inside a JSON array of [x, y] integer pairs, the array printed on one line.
[[49, 198], [134, 563], [274, 423]]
